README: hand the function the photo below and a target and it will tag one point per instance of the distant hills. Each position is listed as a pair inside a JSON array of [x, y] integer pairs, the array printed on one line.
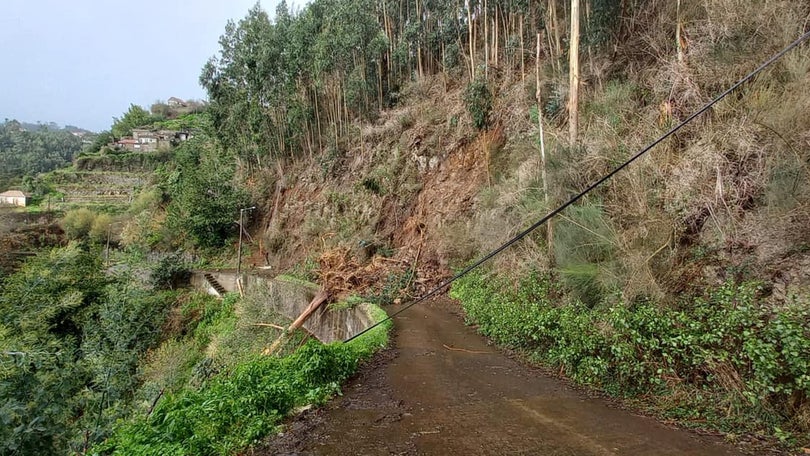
[[49, 126]]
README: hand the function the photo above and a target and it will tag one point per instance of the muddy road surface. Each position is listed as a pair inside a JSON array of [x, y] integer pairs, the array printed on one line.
[[443, 391]]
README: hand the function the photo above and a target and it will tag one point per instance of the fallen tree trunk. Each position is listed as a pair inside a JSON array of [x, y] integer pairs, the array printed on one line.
[[317, 301]]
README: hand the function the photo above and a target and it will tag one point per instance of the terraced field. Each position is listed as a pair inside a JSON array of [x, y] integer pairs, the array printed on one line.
[[88, 188]]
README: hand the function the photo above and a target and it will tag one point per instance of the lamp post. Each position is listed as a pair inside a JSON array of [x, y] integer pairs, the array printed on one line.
[[239, 249]]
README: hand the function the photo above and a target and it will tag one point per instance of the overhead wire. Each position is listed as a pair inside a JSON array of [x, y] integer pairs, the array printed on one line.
[[442, 286]]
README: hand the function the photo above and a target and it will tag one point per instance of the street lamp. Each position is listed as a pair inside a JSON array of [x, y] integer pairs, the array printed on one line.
[[239, 249]]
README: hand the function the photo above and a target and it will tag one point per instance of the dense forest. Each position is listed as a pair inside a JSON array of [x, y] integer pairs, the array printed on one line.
[[26, 151], [294, 84]]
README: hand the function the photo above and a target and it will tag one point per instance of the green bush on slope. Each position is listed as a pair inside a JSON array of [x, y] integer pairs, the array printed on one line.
[[725, 357], [232, 411]]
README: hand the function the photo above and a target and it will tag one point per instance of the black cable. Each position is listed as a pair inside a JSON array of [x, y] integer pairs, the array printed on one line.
[[576, 198]]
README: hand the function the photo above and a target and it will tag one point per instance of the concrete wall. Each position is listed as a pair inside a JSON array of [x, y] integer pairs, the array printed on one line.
[[290, 297], [225, 278]]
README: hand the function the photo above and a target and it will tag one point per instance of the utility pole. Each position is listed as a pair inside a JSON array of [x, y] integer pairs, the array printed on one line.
[[239, 249]]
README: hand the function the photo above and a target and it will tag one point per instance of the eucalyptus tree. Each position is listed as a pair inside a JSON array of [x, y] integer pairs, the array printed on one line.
[[238, 92], [295, 83], [135, 116]]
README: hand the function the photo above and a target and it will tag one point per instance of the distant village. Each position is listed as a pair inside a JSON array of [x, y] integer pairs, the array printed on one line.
[[145, 140], [148, 140], [142, 140]]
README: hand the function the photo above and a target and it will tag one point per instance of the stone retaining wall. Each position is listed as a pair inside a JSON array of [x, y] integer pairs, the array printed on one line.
[[290, 297]]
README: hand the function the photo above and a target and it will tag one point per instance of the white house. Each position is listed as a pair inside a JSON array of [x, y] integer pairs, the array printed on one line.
[[14, 198]]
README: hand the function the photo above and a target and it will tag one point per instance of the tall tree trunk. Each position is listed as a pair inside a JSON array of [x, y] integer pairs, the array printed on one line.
[[347, 121], [486, 41], [555, 27], [471, 34], [457, 23], [379, 85], [549, 227], [318, 119], [419, 64], [495, 38], [444, 70], [678, 38], [401, 36], [573, 75], [389, 33], [522, 59]]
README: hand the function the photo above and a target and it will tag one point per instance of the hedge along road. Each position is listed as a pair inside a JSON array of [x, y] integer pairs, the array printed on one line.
[[443, 391]]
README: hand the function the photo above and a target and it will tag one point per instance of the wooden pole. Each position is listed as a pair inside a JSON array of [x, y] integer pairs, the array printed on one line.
[[239, 250], [269, 325], [239, 255], [573, 75]]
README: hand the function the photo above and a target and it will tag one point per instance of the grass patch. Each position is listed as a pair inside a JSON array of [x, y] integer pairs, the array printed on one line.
[[297, 279]]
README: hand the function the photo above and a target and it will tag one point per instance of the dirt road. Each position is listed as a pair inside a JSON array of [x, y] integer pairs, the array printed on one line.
[[443, 391]]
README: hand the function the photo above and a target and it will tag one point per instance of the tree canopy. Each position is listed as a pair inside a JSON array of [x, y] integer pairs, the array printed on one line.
[[293, 84], [28, 152], [135, 116], [70, 340]]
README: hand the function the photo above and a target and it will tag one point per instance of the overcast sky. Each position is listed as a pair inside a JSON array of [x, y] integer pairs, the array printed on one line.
[[82, 62]]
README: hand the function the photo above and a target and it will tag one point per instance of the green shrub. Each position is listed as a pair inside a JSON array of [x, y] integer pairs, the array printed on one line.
[[170, 272], [78, 223], [71, 338], [739, 361], [373, 185], [585, 248], [478, 100]]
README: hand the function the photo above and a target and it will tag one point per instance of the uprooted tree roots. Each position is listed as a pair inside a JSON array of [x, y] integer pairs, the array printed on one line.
[[341, 274]]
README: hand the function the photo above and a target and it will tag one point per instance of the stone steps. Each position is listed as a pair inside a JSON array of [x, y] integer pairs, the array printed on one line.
[[215, 284]]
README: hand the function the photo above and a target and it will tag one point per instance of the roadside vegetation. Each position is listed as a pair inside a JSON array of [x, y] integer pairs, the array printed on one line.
[[233, 411], [726, 358]]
